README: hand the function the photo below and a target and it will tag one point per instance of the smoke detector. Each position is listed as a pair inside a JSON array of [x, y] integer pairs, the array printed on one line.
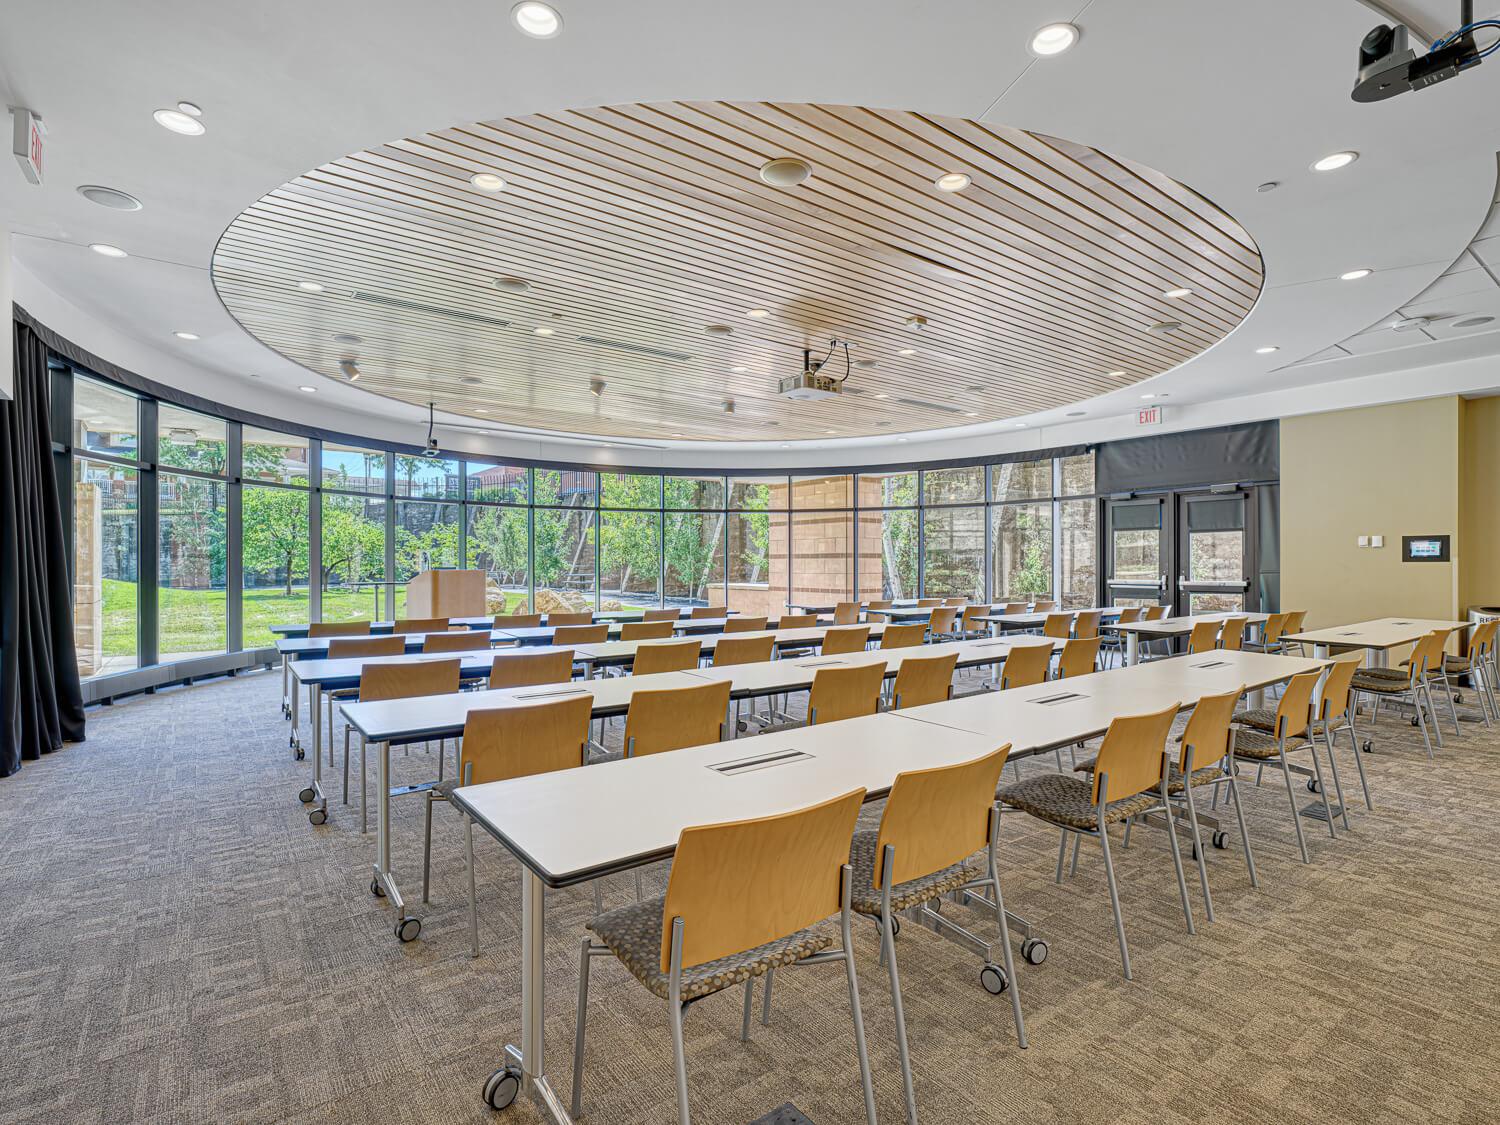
[[785, 172]]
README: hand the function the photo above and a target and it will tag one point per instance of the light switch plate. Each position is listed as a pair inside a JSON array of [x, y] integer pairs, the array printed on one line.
[[1377, 540], [1364, 541]]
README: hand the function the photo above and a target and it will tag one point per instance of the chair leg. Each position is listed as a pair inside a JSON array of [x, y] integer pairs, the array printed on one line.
[[1198, 849], [1239, 813], [887, 939], [1291, 799], [1010, 968], [859, 1019], [1437, 727], [473, 893], [679, 1063], [426, 844], [598, 896], [1073, 864], [1338, 786], [580, 1029], [749, 1009], [1114, 901], [330, 730], [346, 765], [1322, 782], [364, 790], [1187, 907], [1452, 706], [765, 1000], [1062, 852]]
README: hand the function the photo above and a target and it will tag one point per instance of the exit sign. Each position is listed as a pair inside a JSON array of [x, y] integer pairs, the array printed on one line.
[[1148, 416], [27, 137]]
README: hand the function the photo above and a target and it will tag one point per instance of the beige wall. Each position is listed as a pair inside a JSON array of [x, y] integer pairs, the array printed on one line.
[[1479, 503], [1383, 470]]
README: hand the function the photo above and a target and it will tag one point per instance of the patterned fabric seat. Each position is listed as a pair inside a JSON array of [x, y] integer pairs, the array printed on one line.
[[1261, 718], [1389, 681], [866, 898], [1260, 746], [1065, 800], [633, 934], [1457, 663], [1201, 776]]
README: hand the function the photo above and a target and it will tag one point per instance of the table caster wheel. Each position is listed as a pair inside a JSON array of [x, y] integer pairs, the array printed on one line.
[[501, 1088], [1414, 720], [1312, 785], [291, 742], [299, 754], [1221, 840], [895, 927], [376, 889], [994, 979], [306, 796], [1034, 951], [1369, 746], [318, 816], [408, 928]]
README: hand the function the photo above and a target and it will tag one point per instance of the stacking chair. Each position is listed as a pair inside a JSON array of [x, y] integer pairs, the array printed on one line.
[[943, 623], [1408, 684], [956, 602], [671, 718], [797, 621], [1012, 608], [1025, 665], [528, 669], [1232, 635], [846, 638], [878, 604], [667, 656], [1203, 638], [1477, 664], [565, 635], [1086, 624], [1290, 731], [742, 899], [1437, 680], [1114, 642], [929, 603], [420, 625], [1058, 626], [970, 626], [1294, 620], [744, 650], [518, 621], [845, 692], [1044, 606], [1154, 613], [670, 613], [933, 821], [339, 629], [1270, 634], [470, 640], [501, 744], [347, 647], [705, 612], [846, 613], [1130, 778], [555, 618], [924, 679], [904, 636], [744, 624], [647, 630], [1080, 656], [405, 679]]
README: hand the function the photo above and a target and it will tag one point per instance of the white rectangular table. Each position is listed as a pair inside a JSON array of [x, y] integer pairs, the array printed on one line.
[[620, 653], [1000, 622], [1166, 628], [1377, 637]]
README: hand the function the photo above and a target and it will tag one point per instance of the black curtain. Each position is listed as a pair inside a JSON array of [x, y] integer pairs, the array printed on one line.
[[41, 703]]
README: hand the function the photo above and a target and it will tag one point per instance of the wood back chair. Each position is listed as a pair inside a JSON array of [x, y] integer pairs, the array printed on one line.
[[1080, 656], [1333, 702], [924, 679], [707, 612], [342, 648], [845, 693], [943, 622], [956, 602], [1025, 665], [744, 624], [1294, 620], [420, 625], [557, 618], [846, 613], [970, 623], [518, 621], [1044, 606], [1204, 637], [1295, 709], [1271, 631], [670, 613], [744, 650], [937, 817], [845, 638], [884, 603], [744, 883], [505, 742], [1016, 607], [1206, 738], [339, 629], [904, 636], [565, 635], [522, 668], [1154, 613], [647, 630], [797, 621], [470, 640], [1232, 635], [1129, 613], [672, 718], [1132, 757], [408, 679], [1086, 624], [667, 656], [1059, 626], [928, 603]]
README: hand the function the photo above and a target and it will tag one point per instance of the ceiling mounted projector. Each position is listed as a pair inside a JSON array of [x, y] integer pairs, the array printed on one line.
[[1388, 66], [810, 384]]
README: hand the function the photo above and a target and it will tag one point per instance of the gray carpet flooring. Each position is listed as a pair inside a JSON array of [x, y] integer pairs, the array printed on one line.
[[178, 944]]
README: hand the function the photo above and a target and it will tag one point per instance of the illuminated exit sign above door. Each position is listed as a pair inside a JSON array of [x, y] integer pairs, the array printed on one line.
[[1148, 416], [27, 137]]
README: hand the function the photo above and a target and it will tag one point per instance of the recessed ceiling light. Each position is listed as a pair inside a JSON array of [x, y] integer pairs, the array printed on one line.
[[488, 181], [971, 414], [538, 20], [1020, 425], [1148, 396], [784, 445], [907, 351], [1267, 350], [739, 370], [190, 109], [309, 390], [785, 171], [864, 363], [953, 181], [543, 331], [112, 198], [1114, 374], [481, 410], [1334, 161], [309, 287], [345, 338], [179, 122], [1164, 327], [1179, 291], [1269, 185], [515, 285], [1054, 39], [186, 335], [830, 431], [719, 330], [107, 250], [1472, 321], [1076, 413], [676, 435], [900, 439], [470, 380], [1355, 275], [759, 314]]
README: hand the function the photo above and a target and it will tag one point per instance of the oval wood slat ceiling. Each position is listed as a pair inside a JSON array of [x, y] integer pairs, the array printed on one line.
[[639, 226]]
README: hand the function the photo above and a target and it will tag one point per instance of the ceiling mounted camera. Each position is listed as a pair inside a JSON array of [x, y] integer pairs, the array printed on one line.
[[1388, 66]]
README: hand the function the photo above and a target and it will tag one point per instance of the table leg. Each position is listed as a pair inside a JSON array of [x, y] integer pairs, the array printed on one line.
[[1132, 647], [383, 884], [286, 707], [295, 739], [314, 792], [1378, 657]]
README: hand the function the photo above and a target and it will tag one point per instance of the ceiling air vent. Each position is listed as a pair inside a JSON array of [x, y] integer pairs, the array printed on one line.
[[431, 310], [638, 349], [920, 405]]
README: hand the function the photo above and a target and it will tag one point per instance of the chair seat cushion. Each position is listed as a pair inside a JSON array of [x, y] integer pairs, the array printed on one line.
[[1258, 745], [1063, 800], [1261, 718], [1457, 664], [1387, 681], [633, 934], [867, 898], [1201, 776]]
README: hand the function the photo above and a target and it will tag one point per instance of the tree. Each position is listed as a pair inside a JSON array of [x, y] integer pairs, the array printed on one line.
[[275, 532], [353, 544], [500, 534]]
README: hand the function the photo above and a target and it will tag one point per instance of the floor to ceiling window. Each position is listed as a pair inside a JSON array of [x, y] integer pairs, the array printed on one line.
[[274, 533], [564, 544], [192, 603], [953, 533], [694, 526], [758, 546], [352, 562], [1021, 530], [888, 539], [497, 536], [629, 540], [822, 540]]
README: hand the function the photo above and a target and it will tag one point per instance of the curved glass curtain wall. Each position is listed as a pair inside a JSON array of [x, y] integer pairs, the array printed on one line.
[[245, 528]]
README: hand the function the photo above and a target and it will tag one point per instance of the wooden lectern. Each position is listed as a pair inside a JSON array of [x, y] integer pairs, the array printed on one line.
[[446, 593]]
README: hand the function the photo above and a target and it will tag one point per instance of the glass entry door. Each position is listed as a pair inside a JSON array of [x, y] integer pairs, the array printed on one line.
[[1136, 552], [1213, 553]]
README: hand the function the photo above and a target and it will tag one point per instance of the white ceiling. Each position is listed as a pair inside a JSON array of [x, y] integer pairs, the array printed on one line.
[[1220, 97]]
